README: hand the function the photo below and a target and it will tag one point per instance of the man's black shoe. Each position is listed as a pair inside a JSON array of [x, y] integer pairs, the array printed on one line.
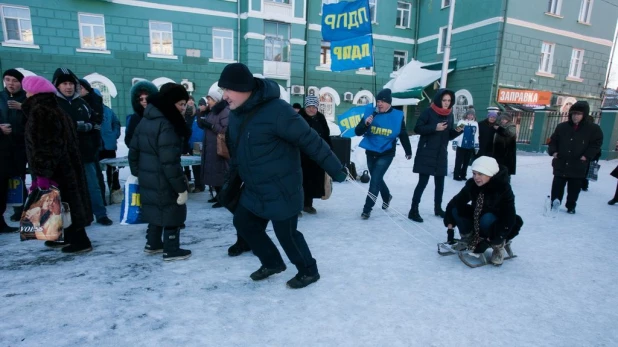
[[105, 221], [264, 272], [298, 281]]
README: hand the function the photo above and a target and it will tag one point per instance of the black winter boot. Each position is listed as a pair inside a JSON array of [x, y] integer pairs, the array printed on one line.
[[171, 245], [239, 247], [154, 244], [438, 211], [414, 215]]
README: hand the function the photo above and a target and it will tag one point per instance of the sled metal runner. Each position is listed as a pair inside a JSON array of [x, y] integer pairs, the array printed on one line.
[[445, 249]]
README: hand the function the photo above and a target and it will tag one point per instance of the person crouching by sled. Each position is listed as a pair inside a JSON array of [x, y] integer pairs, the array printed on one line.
[[490, 221], [154, 157], [54, 159]]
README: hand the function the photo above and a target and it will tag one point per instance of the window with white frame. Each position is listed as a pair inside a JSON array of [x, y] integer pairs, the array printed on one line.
[[161, 38], [280, 1], [92, 31], [399, 59], [223, 44], [325, 54], [585, 11], [554, 7], [277, 41], [577, 60], [404, 10], [442, 39], [105, 94], [446, 3], [17, 24], [373, 10], [547, 57]]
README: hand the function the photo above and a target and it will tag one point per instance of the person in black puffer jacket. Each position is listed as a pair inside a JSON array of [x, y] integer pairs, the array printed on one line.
[[313, 174], [491, 219], [154, 157], [436, 128], [573, 145], [139, 100]]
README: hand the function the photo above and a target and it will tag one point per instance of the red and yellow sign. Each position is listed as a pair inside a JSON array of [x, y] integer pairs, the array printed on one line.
[[524, 97]]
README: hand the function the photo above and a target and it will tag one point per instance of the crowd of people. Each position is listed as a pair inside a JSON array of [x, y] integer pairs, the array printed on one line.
[[281, 155]]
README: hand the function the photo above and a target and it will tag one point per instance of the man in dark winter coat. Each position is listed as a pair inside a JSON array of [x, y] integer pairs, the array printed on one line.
[[139, 100], [505, 146], [12, 143], [573, 145], [487, 132], [267, 136], [436, 128], [313, 174], [88, 125], [154, 157]]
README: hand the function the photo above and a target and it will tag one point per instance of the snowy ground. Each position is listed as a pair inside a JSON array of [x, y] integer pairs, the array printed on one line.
[[383, 284]]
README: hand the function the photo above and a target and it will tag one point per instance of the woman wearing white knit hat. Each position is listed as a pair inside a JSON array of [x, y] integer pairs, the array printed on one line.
[[484, 210]]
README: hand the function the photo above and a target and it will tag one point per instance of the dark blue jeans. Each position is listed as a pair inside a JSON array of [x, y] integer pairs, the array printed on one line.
[[465, 224], [377, 169], [253, 229]]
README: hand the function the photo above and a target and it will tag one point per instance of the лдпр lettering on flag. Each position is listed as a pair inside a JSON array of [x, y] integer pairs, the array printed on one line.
[[350, 119]]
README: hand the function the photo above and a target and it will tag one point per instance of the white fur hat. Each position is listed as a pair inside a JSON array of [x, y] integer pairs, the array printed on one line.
[[488, 166]]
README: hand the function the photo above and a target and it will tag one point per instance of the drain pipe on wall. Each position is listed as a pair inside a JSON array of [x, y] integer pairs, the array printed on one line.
[[447, 46], [238, 30], [416, 27], [505, 6], [305, 83]]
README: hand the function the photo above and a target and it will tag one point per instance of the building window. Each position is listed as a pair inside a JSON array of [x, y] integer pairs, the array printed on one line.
[[399, 59], [554, 7], [280, 1], [577, 60], [92, 31], [442, 39], [547, 55], [277, 41], [585, 11], [404, 10], [325, 54], [446, 3], [105, 94], [17, 24], [223, 44], [373, 10], [161, 38]]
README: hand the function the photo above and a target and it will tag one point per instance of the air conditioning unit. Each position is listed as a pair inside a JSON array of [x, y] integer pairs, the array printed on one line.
[[348, 97], [188, 85], [134, 80], [298, 90]]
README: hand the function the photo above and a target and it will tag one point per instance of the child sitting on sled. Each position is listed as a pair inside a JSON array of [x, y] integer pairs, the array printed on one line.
[[490, 220]]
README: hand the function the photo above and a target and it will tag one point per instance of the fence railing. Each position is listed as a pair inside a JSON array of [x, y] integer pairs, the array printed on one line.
[[524, 123], [555, 118]]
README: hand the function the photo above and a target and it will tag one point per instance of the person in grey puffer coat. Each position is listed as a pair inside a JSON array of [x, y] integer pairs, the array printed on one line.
[[154, 157]]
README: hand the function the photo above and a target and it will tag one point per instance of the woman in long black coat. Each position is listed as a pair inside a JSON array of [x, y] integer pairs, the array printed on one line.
[[154, 157], [54, 159], [313, 174], [436, 128], [505, 146]]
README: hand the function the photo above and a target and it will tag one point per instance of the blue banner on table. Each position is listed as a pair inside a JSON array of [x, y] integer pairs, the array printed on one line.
[[345, 20], [351, 54], [350, 119], [15, 193]]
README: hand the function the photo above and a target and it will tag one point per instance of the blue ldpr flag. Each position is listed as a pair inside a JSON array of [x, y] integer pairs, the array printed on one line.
[[351, 54], [350, 119], [345, 20]]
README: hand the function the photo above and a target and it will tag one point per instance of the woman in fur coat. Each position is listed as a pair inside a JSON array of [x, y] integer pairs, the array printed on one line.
[[53, 157], [154, 157]]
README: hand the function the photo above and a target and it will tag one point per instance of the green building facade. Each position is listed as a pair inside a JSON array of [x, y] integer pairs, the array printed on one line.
[[561, 47]]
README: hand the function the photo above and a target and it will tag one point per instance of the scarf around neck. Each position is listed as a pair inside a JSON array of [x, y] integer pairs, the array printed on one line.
[[441, 111]]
